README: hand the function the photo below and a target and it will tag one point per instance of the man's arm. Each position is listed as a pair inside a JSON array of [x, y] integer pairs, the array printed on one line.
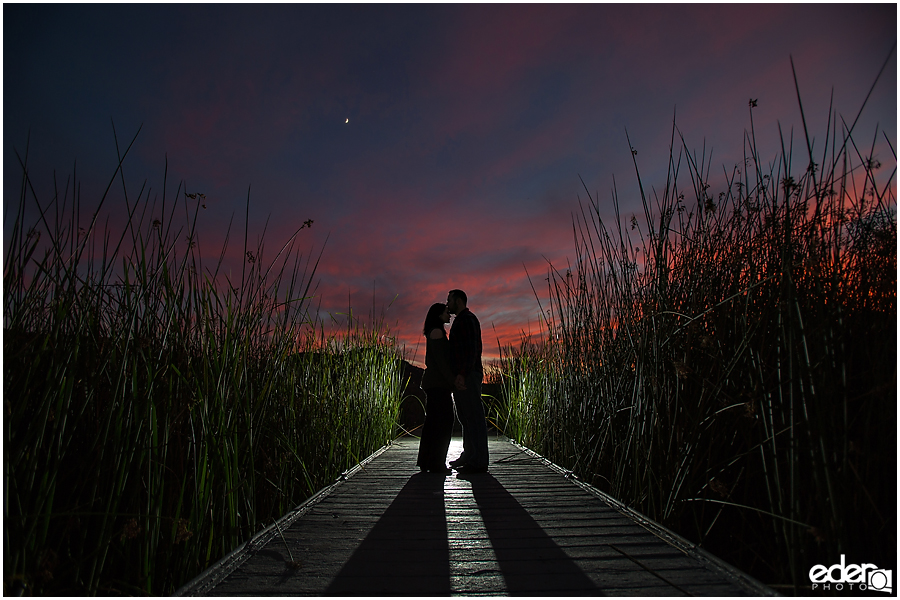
[[461, 342]]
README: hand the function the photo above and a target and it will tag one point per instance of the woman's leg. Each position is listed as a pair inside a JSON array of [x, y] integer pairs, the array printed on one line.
[[444, 427], [432, 431]]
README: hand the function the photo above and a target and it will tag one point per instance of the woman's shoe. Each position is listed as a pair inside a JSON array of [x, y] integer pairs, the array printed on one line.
[[442, 470]]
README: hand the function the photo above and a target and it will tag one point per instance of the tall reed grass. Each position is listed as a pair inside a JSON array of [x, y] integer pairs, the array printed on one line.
[[158, 412], [726, 364]]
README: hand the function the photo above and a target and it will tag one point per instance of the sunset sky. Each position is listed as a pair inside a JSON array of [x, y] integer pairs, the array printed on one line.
[[435, 146]]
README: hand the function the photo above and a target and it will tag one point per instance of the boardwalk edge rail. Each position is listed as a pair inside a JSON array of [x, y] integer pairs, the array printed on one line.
[[218, 571], [710, 561]]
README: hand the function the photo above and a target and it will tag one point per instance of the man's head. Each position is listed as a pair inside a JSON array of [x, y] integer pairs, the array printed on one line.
[[456, 301]]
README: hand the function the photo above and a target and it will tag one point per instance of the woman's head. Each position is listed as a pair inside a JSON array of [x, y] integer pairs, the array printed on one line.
[[437, 316]]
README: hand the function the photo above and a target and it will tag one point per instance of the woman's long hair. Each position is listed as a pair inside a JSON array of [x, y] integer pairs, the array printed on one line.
[[433, 319]]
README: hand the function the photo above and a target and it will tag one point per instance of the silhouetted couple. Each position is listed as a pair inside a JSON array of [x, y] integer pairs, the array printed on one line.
[[453, 366]]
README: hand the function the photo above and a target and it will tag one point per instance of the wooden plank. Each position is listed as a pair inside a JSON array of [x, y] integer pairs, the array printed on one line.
[[524, 528]]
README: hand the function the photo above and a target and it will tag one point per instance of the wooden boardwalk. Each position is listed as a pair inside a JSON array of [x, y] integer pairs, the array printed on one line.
[[524, 528]]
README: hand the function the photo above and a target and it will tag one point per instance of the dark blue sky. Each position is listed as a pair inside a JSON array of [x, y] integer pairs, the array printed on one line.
[[469, 125]]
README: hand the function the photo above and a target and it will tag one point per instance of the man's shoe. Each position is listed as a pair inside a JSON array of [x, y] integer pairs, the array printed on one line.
[[469, 470], [458, 462]]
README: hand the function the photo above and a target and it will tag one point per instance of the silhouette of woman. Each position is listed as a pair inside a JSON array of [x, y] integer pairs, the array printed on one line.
[[437, 382]]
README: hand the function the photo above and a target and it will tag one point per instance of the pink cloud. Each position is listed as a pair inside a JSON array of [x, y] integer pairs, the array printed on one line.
[[430, 260]]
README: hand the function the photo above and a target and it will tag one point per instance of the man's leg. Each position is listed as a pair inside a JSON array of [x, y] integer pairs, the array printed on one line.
[[462, 413], [479, 443]]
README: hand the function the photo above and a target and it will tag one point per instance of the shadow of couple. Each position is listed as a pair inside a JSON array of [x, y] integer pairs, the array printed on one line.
[[407, 552]]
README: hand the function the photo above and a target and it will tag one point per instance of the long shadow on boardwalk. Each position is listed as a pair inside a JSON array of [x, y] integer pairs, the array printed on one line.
[[530, 561], [408, 552], [529, 531]]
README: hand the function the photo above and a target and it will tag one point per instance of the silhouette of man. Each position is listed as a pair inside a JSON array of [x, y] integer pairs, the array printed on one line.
[[465, 359]]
